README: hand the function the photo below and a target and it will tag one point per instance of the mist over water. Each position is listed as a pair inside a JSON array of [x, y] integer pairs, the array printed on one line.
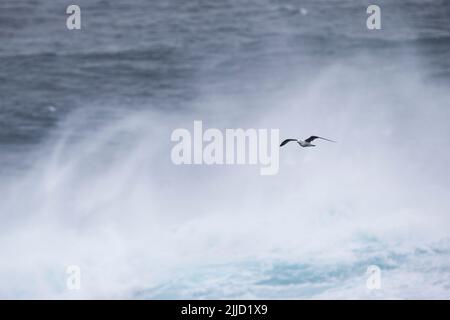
[[87, 178]]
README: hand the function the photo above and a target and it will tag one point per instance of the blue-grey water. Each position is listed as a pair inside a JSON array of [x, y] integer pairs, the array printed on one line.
[[86, 177]]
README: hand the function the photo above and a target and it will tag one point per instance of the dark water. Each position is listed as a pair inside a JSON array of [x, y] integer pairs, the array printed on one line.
[[158, 54], [229, 62]]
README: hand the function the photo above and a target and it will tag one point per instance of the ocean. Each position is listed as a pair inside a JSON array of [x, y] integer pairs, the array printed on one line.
[[86, 177]]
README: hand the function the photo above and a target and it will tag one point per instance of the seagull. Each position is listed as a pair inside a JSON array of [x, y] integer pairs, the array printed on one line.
[[306, 142]]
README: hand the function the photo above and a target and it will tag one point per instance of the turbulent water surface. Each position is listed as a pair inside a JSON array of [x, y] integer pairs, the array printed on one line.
[[86, 177]]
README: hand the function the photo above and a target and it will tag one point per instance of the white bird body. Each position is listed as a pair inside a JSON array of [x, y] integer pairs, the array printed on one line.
[[305, 144]]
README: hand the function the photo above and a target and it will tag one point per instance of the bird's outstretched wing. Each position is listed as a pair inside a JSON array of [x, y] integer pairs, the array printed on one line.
[[312, 138], [286, 141]]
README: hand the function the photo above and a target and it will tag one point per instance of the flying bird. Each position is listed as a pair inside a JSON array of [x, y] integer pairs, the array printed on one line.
[[306, 142]]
